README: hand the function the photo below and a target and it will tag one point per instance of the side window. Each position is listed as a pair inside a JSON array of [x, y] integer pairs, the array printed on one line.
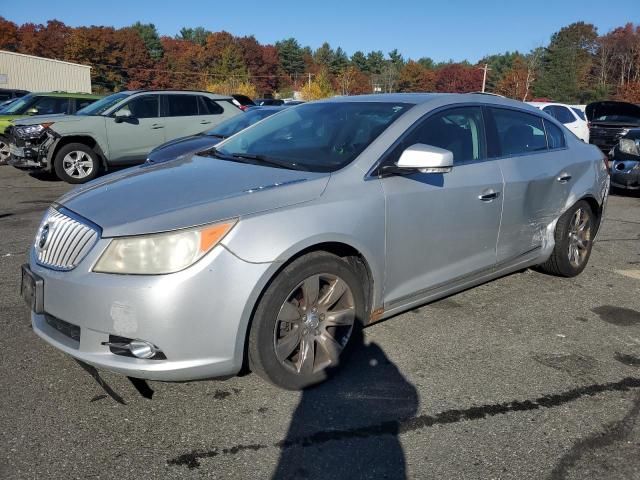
[[555, 136], [459, 130], [518, 132], [209, 106], [181, 105], [549, 109], [144, 106], [51, 105], [563, 115]]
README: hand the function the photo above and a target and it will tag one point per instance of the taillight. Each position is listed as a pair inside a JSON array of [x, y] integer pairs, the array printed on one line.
[[244, 108]]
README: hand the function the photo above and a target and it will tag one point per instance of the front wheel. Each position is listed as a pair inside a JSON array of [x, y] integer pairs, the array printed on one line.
[[305, 320], [76, 163], [573, 237]]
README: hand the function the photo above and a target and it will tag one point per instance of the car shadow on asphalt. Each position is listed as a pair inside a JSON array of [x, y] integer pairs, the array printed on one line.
[[368, 390]]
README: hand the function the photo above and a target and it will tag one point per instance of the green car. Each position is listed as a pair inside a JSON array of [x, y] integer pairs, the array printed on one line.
[[48, 103], [117, 131]]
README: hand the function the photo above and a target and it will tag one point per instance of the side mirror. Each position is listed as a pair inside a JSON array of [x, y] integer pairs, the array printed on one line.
[[32, 111], [426, 159], [122, 115]]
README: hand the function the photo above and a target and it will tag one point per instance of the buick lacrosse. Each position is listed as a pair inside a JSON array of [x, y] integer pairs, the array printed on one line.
[[268, 250]]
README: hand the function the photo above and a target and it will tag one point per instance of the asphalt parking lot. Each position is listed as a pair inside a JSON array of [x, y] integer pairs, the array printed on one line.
[[529, 376]]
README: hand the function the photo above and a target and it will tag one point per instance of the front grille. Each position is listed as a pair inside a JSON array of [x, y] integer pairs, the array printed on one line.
[[62, 241], [605, 138], [65, 328]]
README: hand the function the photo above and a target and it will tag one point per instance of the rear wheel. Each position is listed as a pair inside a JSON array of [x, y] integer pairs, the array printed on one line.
[[573, 237], [305, 320], [76, 163]]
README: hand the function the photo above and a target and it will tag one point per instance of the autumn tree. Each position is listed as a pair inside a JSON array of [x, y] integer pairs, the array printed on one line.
[[458, 78], [8, 35], [320, 87], [513, 82], [416, 78]]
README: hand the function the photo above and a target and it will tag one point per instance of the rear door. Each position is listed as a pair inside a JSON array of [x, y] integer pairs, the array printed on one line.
[[442, 226], [131, 139], [180, 113], [537, 171]]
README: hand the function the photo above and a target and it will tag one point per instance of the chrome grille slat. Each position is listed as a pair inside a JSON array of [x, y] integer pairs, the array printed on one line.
[[60, 243], [67, 241]]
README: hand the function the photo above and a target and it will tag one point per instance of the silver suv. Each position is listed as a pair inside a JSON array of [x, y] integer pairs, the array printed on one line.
[[120, 129], [276, 245]]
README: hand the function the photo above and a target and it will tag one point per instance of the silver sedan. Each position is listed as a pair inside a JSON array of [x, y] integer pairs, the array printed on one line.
[[272, 249]]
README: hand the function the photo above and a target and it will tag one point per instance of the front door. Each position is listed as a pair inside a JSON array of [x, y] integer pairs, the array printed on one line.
[[132, 138], [441, 227]]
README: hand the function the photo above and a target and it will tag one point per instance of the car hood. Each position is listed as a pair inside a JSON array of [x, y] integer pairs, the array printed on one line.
[[182, 146], [599, 109], [61, 117], [186, 192]]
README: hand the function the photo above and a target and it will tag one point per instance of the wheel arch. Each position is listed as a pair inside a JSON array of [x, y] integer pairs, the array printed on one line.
[[87, 140], [341, 249]]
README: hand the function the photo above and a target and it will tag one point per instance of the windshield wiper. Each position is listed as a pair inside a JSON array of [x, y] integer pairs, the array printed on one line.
[[274, 162], [252, 158]]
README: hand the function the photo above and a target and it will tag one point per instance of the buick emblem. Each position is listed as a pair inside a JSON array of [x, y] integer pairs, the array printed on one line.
[[44, 235]]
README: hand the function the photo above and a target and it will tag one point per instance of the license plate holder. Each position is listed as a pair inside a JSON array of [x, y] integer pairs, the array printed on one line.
[[32, 290]]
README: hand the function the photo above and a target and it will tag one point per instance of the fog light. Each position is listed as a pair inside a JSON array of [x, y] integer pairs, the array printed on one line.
[[141, 349]]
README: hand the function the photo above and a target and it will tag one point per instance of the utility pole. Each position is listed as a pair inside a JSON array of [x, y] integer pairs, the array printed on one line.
[[484, 75]]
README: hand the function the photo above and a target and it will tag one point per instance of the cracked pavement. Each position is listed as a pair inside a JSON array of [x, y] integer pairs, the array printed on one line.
[[529, 376]]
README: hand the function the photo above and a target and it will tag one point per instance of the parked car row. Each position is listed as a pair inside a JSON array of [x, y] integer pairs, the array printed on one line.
[[272, 248], [32, 104], [117, 130]]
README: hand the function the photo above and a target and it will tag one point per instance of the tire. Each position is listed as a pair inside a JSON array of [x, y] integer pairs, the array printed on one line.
[[76, 163], [295, 344], [4, 150], [569, 258]]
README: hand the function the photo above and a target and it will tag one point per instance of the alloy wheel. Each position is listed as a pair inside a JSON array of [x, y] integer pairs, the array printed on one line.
[[77, 164], [314, 324], [579, 237]]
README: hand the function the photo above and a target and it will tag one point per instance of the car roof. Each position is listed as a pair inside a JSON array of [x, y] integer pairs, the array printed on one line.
[[423, 98], [215, 96], [66, 95]]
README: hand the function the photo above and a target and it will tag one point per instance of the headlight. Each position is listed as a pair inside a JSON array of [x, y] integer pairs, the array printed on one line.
[[31, 131], [161, 252], [629, 146]]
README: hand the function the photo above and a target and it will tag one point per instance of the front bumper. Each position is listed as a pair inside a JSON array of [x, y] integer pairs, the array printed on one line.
[[197, 317], [31, 153], [625, 174]]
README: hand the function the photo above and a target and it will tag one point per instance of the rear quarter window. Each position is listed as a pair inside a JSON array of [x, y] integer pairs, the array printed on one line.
[[555, 137], [209, 106], [518, 132]]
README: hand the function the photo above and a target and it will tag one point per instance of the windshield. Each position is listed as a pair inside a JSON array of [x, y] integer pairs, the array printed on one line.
[[99, 107], [321, 137], [19, 106], [239, 122]]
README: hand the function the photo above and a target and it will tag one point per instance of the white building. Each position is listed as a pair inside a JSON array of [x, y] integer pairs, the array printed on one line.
[[37, 74]]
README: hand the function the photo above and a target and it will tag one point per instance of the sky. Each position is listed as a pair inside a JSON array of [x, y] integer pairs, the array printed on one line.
[[442, 30]]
